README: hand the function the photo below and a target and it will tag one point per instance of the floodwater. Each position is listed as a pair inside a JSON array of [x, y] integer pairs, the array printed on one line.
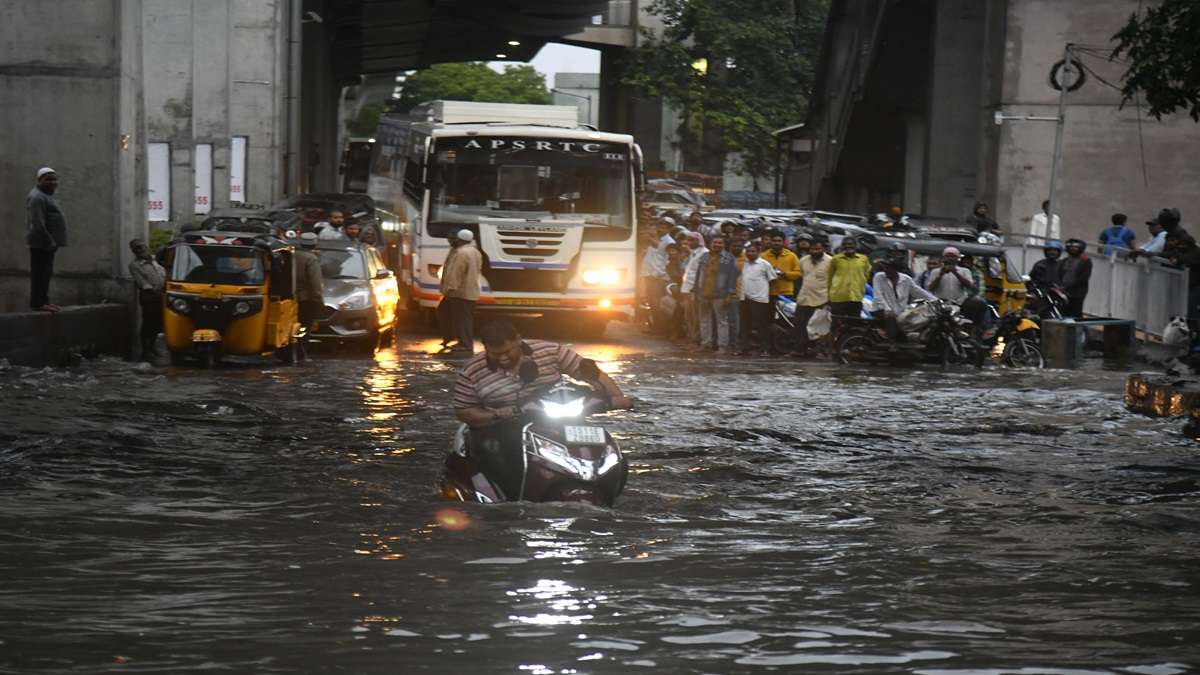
[[779, 516]]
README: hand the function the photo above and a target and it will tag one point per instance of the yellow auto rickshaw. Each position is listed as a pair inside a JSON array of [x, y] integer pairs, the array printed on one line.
[[230, 293]]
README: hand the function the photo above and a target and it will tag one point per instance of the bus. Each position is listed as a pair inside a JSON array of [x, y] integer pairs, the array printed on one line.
[[552, 205]]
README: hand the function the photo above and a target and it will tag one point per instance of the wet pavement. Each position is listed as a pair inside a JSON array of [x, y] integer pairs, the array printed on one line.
[[796, 517]]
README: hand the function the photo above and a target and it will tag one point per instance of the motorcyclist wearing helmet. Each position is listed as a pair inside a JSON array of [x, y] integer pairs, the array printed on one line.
[[894, 289], [1074, 271], [1045, 271]]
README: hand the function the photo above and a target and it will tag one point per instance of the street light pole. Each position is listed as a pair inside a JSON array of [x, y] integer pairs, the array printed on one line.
[[586, 98], [1064, 84]]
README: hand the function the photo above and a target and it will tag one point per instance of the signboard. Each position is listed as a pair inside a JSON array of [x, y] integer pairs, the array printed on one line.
[[158, 182], [237, 168], [449, 147], [202, 166]]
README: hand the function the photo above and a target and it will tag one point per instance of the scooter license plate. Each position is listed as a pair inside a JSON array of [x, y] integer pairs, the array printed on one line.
[[584, 435]]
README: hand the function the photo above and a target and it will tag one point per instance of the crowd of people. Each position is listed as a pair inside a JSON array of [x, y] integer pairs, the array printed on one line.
[[715, 285]]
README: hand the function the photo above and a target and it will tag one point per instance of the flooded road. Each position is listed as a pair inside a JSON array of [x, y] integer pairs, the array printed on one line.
[[780, 516]]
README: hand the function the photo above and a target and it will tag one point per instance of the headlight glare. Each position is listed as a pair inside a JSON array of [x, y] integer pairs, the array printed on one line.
[[602, 277], [557, 410], [356, 300]]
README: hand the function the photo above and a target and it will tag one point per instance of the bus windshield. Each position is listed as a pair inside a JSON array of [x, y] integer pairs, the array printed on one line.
[[221, 264], [477, 177]]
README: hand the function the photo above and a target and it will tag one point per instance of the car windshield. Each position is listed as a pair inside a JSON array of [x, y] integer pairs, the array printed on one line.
[[480, 177], [220, 264], [342, 264]]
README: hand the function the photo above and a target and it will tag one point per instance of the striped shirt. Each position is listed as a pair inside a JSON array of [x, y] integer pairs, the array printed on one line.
[[480, 385]]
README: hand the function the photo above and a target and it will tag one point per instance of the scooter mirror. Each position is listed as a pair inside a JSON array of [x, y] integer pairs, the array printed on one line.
[[528, 371]]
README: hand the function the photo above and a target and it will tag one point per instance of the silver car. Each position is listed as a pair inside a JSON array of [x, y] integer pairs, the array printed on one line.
[[361, 295]]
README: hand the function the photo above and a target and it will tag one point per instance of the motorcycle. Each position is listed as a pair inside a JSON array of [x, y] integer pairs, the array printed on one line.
[[1046, 302], [1020, 333], [935, 332], [564, 458]]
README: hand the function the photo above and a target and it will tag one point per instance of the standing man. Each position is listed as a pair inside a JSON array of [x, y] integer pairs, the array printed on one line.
[[653, 273], [715, 287], [1043, 226], [310, 286], [786, 264], [351, 232], [1074, 272], [690, 306], [755, 296], [814, 294], [46, 232], [1117, 235], [950, 282], [1158, 239], [460, 289], [848, 274], [150, 280]]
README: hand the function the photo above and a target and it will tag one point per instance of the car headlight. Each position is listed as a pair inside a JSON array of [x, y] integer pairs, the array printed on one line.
[[242, 307], [569, 409], [602, 277], [356, 300]]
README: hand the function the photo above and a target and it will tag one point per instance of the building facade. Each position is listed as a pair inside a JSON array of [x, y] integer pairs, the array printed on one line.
[[905, 114]]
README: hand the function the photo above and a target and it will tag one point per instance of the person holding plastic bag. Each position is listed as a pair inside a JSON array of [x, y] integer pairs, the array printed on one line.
[[893, 291], [813, 295]]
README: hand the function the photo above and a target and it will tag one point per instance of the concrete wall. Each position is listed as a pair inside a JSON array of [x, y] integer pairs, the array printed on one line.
[[70, 98], [42, 339], [1102, 169], [586, 85], [217, 69]]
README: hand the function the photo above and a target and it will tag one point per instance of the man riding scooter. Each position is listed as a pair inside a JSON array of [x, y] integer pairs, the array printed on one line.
[[893, 291], [487, 395]]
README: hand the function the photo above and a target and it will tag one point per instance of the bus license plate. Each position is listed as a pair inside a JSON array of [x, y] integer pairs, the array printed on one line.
[[525, 301], [584, 435]]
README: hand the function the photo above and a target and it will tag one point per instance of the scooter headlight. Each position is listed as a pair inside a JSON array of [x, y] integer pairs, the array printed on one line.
[[555, 410]]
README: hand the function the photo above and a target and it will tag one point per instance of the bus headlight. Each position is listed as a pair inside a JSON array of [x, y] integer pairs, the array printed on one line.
[[603, 277]]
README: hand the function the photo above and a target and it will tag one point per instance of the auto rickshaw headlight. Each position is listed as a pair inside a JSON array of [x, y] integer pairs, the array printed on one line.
[[241, 308], [180, 305]]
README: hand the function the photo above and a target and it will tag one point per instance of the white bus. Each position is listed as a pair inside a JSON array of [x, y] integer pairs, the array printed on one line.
[[552, 206]]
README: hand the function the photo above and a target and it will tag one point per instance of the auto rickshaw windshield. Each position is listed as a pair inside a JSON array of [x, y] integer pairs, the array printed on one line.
[[232, 265]]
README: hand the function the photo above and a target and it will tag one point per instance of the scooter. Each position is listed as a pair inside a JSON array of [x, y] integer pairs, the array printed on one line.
[[935, 332], [1020, 333], [565, 459], [1047, 303]]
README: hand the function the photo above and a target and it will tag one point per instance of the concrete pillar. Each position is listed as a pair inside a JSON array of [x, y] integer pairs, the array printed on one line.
[[914, 164], [71, 98], [955, 108]]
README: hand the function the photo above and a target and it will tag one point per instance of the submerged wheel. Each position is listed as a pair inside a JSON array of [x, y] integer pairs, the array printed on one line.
[[208, 359], [854, 348], [782, 339], [1023, 353], [289, 354]]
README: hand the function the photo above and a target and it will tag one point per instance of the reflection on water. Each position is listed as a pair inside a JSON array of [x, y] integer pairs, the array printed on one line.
[[779, 517]]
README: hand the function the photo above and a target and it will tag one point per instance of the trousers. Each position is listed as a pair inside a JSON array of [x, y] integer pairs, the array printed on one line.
[[152, 320], [803, 314], [714, 323], [41, 268], [756, 321], [460, 316]]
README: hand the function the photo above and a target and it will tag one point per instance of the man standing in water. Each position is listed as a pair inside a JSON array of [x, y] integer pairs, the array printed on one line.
[[460, 289], [46, 232], [150, 280]]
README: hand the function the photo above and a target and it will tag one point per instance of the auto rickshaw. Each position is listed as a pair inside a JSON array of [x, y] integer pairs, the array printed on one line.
[[230, 293]]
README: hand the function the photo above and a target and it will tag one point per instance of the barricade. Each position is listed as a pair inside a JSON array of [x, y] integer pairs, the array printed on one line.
[[1062, 341]]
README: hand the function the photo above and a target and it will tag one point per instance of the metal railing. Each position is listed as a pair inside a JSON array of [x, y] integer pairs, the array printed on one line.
[[1142, 290]]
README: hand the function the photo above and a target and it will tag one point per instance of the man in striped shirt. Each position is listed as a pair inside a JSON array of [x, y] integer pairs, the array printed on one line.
[[489, 387]]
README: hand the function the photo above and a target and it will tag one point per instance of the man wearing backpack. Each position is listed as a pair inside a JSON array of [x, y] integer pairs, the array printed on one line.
[[1117, 236]]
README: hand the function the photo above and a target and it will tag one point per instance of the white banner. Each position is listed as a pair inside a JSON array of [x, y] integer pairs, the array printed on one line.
[[202, 166], [237, 168], [158, 181]]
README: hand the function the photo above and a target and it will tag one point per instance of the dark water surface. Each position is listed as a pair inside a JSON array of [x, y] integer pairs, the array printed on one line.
[[779, 516]]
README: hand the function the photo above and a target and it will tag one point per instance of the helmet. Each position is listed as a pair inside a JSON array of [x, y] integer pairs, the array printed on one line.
[[1053, 244]]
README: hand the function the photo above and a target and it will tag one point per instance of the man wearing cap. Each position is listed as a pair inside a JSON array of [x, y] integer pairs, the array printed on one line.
[[460, 289], [950, 282], [46, 232], [310, 286]]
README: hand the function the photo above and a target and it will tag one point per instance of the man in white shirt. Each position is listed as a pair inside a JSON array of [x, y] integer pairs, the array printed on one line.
[[893, 291], [755, 300], [691, 314], [1043, 226], [653, 273], [1158, 239], [950, 282]]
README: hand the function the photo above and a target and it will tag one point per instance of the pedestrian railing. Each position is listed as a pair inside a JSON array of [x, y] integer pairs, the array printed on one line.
[[1143, 290]]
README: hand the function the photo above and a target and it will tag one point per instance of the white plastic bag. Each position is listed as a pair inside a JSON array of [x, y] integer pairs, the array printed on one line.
[[820, 324]]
